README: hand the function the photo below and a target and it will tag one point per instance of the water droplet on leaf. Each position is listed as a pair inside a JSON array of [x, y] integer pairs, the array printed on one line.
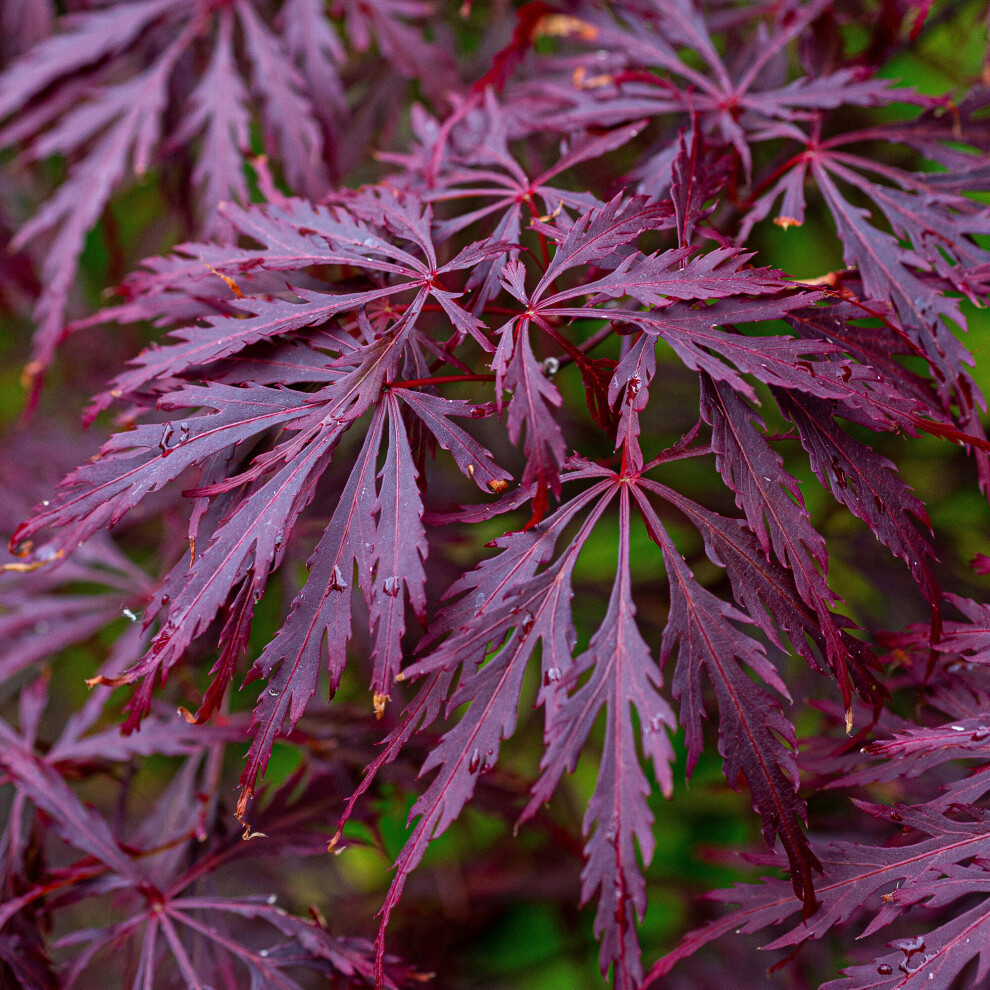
[[163, 444]]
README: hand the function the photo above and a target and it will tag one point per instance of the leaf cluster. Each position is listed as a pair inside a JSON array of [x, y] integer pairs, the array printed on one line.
[[523, 432]]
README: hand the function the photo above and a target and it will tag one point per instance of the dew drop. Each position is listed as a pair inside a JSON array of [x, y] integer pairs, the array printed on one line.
[[553, 674], [909, 946], [881, 508], [337, 582], [46, 503], [981, 733], [263, 953], [845, 373], [128, 614], [479, 412], [163, 444], [165, 600], [392, 586], [474, 762], [271, 899], [527, 622], [958, 728], [273, 692], [884, 970]]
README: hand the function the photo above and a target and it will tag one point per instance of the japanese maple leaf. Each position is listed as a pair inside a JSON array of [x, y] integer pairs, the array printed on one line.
[[76, 93], [937, 870], [740, 101], [624, 678], [653, 280], [168, 918], [366, 235], [79, 748], [701, 630], [930, 222], [488, 171]]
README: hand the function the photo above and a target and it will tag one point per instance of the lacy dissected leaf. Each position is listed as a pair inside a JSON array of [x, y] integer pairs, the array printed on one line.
[[867, 484], [240, 554], [219, 114], [915, 751], [397, 554], [756, 740], [766, 589], [598, 233], [530, 415], [930, 246], [768, 495], [624, 678], [376, 529], [487, 170], [320, 617], [855, 874], [98, 90], [888, 270], [294, 238], [503, 608], [938, 958], [137, 462], [699, 339], [697, 175], [652, 280], [321, 353], [742, 100], [175, 921], [655, 280], [971, 638], [844, 323], [474, 460]]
